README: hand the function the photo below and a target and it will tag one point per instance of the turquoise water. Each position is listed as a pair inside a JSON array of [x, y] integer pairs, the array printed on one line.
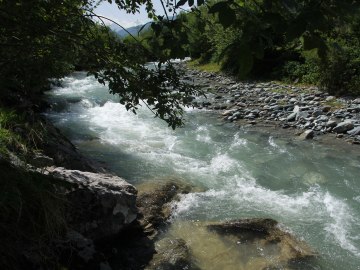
[[312, 189]]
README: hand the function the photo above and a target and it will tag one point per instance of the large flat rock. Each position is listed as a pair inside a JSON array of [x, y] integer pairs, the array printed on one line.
[[100, 205]]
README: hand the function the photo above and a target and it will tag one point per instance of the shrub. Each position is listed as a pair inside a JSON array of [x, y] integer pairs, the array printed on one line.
[[340, 74]]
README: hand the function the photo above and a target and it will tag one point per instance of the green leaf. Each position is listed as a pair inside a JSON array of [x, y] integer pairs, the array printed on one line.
[[296, 29], [227, 17], [156, 28], [181, 3], [218, 7], [311, 42], [246, 60]]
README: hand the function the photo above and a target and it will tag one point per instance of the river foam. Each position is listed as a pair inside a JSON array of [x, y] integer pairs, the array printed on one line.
[[243, 174]]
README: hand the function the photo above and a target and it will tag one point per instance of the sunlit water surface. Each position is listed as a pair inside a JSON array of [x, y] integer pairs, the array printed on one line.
[[311, 189]]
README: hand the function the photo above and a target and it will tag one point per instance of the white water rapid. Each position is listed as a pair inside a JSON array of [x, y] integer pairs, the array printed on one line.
[[311, 189]]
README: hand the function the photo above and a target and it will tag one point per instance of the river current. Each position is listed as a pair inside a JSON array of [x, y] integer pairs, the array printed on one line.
[[312, 189]]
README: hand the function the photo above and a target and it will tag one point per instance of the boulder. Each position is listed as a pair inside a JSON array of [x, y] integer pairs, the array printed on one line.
[[100, 205], [306, 135], [331, 123], [40, 160], [154, 202], [171, 254], [355, 131], [343, 127], [266, 235], [292, 116]]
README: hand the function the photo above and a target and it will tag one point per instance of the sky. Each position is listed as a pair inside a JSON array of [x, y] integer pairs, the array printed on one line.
[[126, 20]]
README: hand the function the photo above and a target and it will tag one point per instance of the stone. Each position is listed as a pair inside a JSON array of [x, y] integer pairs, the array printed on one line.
[[40, 160], [330, 98], [85, 248], [355, 131], [292, 117], [326, 109], [356, 101], [263, 233], [227, 113], [331, 123], [100, 205], [307, 135], [154, 202], [316, 113], [171, 254], [343, 127]]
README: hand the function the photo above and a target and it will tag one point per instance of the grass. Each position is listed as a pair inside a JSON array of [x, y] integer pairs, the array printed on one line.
[[208, 67], [32, 217], [334, 104], [32, 214], [8, 138]]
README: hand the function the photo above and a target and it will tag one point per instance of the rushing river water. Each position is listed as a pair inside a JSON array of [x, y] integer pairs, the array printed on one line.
[[313, 190]]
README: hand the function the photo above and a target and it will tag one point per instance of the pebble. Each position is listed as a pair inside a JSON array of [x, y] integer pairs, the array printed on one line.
[[284, 105]]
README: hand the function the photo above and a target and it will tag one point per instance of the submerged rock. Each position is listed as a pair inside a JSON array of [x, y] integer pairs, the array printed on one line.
[[100, 205], [266, 234], [171, 254]]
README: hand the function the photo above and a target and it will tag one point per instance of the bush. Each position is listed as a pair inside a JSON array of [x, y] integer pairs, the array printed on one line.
[[304, 72], [340, 74]]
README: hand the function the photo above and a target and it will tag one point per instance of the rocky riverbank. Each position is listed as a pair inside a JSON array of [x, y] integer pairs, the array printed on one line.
[[307, 111]]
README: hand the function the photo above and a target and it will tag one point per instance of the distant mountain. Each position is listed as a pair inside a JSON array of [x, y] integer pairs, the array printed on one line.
[[134, 30]]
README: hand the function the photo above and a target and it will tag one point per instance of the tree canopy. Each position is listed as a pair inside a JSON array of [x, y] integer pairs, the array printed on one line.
[[42, 39], [309, 41]]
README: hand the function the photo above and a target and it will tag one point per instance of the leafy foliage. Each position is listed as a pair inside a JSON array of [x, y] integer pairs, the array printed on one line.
[[293, 40], [48, 39]]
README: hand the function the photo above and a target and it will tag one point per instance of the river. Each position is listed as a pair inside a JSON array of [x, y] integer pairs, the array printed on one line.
[[312, 189]]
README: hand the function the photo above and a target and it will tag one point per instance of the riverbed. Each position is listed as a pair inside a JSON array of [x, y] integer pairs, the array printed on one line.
[[313, 190]]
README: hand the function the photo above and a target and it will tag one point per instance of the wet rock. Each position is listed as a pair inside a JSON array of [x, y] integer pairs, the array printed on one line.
[[316, 113], [330, 98], [331, 123], [307, 135], [154, 202], [343, 127], [356, 101], [355, 131], [171, 254], [292, 117], [100, 205], [265, 233], [312, 178]]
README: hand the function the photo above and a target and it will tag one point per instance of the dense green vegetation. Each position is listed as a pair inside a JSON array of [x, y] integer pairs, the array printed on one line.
[[48, 39], [308, 41]]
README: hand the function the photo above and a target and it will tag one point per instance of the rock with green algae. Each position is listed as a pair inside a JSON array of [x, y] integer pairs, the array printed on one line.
[[266, 234], [171, 254]]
